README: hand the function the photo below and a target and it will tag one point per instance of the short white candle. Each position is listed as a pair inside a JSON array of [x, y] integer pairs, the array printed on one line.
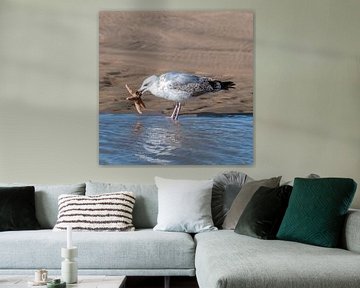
[[69, 237]]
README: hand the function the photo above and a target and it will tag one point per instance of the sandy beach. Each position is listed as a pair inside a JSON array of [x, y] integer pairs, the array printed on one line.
[[135, 45]]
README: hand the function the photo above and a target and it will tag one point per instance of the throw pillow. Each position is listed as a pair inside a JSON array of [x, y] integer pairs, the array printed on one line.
[[263, 215], [316, 211], [17, 208], [226, 186], [105, 212], [243, 198], [184, 205]]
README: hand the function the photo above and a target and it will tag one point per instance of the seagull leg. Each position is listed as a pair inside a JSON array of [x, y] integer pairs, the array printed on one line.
[[174, 112], [178, 106]]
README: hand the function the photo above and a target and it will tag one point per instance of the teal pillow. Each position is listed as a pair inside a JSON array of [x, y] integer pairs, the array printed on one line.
[[316, 211]]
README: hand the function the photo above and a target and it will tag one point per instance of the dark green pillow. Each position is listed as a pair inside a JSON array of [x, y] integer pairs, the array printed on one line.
[[264, 212], [316, 211], [17, 208]]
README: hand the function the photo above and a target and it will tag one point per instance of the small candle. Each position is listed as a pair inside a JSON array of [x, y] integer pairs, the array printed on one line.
[[69, 237]]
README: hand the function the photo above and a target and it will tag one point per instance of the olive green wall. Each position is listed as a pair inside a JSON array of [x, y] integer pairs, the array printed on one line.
[[307, 90]]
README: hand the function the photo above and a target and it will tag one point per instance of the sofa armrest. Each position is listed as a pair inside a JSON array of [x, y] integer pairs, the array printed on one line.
[[351, 234]]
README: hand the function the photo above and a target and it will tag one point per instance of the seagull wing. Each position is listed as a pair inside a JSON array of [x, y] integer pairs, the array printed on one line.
[[185, 82]]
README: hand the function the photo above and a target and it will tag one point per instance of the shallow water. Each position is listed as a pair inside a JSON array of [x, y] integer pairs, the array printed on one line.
[[193, 140]]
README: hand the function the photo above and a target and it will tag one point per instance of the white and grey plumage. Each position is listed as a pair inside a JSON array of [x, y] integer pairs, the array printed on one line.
[[179, 87]]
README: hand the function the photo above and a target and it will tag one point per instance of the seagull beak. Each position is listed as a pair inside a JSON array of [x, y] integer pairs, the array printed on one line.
[[141, 90], [134, 95]]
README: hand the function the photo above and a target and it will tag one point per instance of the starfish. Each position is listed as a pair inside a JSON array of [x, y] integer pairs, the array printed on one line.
[[136, 97]]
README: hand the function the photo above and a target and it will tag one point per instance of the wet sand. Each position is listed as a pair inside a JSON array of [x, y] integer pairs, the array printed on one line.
[[135, 45]]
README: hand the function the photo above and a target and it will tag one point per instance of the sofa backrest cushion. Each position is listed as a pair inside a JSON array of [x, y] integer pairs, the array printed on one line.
[[350, 238], [146, 204], [46, 200]]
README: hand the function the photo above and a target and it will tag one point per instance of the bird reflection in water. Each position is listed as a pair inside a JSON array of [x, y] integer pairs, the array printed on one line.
[[138, 127], [159, 143]]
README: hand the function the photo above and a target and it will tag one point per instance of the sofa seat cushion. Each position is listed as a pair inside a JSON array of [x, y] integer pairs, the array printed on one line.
[[226, 259], [142, 249]]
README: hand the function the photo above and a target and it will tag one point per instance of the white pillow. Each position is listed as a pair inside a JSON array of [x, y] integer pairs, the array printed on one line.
[[184, 205], [104, 212]]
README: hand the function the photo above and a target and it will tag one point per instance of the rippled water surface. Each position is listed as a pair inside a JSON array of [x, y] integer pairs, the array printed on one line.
[[133, 139]]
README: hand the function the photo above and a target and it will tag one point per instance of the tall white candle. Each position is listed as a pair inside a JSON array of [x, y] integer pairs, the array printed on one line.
[[69, 237]]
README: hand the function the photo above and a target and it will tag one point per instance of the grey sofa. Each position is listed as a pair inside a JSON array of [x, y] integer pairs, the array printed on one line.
[[218, 259], [143, 252], [226, 259]]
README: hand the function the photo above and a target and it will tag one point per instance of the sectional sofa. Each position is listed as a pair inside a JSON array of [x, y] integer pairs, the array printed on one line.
[[218, 259]]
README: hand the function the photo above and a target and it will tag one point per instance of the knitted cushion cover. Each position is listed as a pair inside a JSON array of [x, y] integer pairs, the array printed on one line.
[[316, 211], [105, 212]]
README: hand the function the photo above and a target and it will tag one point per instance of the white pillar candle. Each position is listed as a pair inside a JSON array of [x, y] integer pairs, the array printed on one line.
[[69, 237]]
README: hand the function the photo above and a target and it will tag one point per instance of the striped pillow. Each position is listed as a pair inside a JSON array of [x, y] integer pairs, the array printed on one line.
[[105, 212]]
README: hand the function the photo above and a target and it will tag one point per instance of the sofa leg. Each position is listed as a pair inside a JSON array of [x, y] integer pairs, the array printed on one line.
[[167, 282]]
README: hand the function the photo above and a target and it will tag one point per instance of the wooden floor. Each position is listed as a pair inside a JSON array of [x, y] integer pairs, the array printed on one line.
[[158, 282]]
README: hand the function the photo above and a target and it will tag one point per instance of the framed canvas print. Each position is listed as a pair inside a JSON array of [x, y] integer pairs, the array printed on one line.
[[176, 87]]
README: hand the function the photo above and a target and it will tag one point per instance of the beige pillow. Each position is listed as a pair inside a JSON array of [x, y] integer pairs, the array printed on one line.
[[243, 198]]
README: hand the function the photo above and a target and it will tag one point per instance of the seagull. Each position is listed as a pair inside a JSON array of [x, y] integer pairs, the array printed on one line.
[[180, 86]]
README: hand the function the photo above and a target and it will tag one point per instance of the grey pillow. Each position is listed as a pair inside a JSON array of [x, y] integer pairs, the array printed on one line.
[[243, 198], [46, 200], [146, 204], [184, 205], [226, 187]]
